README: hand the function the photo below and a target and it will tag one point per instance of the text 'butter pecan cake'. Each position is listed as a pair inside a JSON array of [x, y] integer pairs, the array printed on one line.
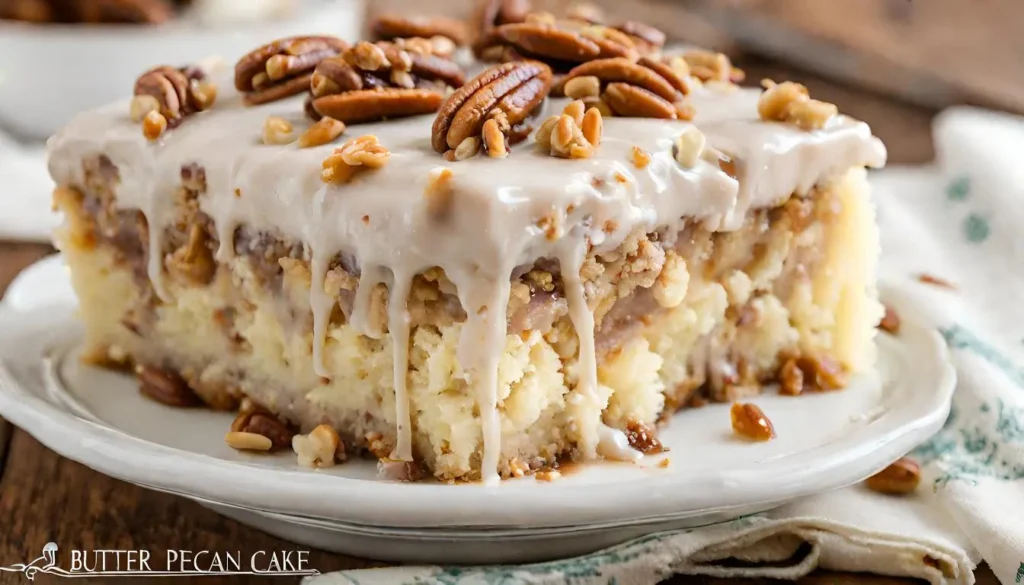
[[470, 277]]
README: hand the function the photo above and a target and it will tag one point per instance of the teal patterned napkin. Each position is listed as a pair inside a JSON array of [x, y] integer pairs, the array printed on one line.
[[961, 222]]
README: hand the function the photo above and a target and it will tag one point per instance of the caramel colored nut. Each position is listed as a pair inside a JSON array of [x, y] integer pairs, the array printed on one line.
[[750, 422], [636, 102], [890, 322], [265, 424], [391, 26], [623, 70], [438, 194], [646, 38], [282, 68], [247, 441], [612, 43], [902, 477], [491, 13], [494, 140], [642, 437], [170, 87], [202, 94], [153, 125], [640, 157], [277, 131], [514, 88], [543, 135], [122, 11], [325, 130], [369, 105], [791, 379], [582, 87], [593, 127], [322, 447], [822, 372], [688, 147], [165, 387], [549, 42], [364, 152], [585, 12], [368, 57], [334, 75]]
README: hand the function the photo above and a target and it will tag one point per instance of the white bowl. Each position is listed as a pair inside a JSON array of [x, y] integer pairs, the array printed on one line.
[[48, 73]]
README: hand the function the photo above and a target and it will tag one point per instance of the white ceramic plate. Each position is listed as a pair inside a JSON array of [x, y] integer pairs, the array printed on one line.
[[825, 441]]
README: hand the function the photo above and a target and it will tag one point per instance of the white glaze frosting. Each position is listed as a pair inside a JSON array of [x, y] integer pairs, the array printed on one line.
[[382, 221]]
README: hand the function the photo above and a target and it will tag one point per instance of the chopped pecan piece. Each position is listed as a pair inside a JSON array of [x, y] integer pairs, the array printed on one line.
[[890, 322], [750, 422], [510, 90], [259, 421], [390, 26], [364, 152], [165, 386], [899, 478], [573, 134], [282, 68], [175, 92], [642, 437], [791, 103]]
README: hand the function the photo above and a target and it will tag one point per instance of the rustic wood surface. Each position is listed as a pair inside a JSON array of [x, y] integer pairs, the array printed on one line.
[[44, 497]]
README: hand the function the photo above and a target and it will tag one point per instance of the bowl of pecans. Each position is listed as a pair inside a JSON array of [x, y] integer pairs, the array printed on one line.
[[87, 51]]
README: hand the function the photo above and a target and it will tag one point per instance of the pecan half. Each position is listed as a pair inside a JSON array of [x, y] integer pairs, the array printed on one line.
[[647, 39], [374, 80], [259, 421], [561, 44], [165, 387], [125, 11], [492, 13], [368, 105], [391, 26], [514, 89], [647, 88], [177, 91], [282, 68]]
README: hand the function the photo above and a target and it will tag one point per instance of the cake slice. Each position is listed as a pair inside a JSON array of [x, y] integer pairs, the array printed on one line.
[[482, 284]]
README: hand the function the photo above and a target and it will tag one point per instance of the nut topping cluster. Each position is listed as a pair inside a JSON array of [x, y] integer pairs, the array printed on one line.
[[646, 88], [282, 68], [500, 98], [165, 95], [791, 103], [576, 133], [391, 27]]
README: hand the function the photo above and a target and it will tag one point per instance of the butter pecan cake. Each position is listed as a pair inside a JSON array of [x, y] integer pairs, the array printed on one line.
[[363, 248]]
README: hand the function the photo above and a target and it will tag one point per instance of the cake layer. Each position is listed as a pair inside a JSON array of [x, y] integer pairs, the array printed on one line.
[[697, 315]]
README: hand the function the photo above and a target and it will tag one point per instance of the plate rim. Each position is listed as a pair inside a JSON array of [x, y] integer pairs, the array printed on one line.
[[842, 461]]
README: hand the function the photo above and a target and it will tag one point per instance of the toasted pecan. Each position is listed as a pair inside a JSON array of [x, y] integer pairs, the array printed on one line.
[[381, 65], [492, 13], [549, 41], [646, 38], [637, 102], [514, 88], [178, 92], [626, 71], [392, 26], [368, 105], [282, 68]]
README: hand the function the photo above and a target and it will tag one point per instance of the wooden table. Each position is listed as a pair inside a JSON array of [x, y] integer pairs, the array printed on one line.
[[44, 497]]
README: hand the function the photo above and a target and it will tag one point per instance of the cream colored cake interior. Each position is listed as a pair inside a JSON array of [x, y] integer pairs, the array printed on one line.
[[697, 315]]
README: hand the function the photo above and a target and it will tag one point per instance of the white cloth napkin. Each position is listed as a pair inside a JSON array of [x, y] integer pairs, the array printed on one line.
[[963, 222], [25, 189]]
